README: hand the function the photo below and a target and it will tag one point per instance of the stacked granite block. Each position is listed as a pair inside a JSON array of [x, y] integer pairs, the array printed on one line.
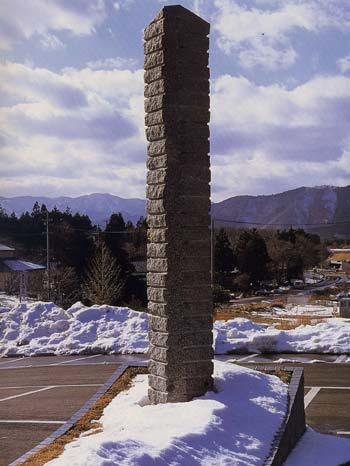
[[178, 203]]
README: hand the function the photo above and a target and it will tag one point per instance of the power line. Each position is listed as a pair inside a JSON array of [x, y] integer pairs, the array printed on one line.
[[290, 224], [93, 231]]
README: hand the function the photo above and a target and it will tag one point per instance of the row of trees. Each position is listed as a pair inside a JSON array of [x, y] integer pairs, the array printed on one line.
[[75, 247], [96, 265], [258, 256]]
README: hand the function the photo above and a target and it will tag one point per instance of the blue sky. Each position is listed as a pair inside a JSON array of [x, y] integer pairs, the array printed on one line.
[[72, 95]]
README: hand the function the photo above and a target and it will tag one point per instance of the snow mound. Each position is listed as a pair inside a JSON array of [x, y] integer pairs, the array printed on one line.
[[42, 328], [45, 328], [331, 336], [233, 426]]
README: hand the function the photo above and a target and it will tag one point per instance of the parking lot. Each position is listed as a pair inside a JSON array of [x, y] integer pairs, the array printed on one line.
[[38, 395], [327, 387]]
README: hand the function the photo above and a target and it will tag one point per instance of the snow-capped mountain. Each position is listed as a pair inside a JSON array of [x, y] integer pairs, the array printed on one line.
[[98, 207]]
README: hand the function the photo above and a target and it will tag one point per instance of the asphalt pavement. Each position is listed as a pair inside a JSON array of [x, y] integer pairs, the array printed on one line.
[[38, 395]]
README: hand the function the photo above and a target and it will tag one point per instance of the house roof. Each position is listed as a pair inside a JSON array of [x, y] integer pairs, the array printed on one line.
[[340, 257], [3, 247], [21, 266]]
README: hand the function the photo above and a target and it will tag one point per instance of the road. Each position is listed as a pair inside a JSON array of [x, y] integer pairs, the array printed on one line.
[[37, 395], [293, 292]]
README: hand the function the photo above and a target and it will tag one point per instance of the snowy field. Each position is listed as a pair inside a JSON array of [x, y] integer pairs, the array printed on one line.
[[44, 328], [233, 426]]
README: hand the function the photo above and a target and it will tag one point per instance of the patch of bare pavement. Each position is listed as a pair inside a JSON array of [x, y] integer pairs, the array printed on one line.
[[38, 394]]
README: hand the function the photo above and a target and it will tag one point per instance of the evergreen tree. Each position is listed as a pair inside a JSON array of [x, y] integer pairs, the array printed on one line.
[[252, 256], [224, 258], [295, 266], [115, 237], [114, 233], [103, 284]]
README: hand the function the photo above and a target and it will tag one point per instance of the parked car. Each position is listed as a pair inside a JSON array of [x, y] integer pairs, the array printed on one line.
[[283, 289], [262, 292]]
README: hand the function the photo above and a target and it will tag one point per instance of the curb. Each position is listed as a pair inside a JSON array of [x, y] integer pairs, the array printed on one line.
[[293, 425]]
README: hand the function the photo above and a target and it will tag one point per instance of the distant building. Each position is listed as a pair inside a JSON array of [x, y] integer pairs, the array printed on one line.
[[13, 271], [344, 307], [340, 259], [6, 252]]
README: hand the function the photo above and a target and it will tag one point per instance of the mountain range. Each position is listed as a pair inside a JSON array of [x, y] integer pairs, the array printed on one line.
[[307, 207], [310, 208], [98, 207]]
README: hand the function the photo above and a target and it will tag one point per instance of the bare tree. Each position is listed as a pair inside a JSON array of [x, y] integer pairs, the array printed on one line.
[[104, 283]]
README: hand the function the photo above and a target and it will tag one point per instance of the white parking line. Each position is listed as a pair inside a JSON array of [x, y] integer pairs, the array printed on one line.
[[33, 366], [26, 393], [29, 421], [311, 395], [245, 358], [330, 388], [12, 360], [343, 432], [73, 360], [341, 358], [55, 386]]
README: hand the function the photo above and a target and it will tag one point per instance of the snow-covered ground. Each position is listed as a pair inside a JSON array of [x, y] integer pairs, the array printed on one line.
[[42, 328], [319, 449], [310, 310], [233, 426]]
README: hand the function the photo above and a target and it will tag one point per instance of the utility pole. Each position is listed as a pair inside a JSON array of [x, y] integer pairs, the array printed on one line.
[[48, 255], [212, 241]]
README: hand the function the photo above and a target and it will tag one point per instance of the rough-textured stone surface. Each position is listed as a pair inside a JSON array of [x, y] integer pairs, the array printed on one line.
[[178, 202]]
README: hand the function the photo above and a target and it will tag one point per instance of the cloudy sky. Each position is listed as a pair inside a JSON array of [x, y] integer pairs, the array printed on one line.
[[71, 82]]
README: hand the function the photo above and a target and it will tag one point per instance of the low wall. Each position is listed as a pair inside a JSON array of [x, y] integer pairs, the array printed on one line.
[[293, 425]]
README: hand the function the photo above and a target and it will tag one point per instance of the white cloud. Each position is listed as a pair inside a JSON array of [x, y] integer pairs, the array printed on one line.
[[266, 56], [267, 138], [50, 41], [261, 174], [116, 6], [344, 64], [112, 63], [22, 19], [65, 133], [261, 35]]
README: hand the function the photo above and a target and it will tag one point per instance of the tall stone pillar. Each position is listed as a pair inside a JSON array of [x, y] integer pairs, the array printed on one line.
[[178, 203]]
